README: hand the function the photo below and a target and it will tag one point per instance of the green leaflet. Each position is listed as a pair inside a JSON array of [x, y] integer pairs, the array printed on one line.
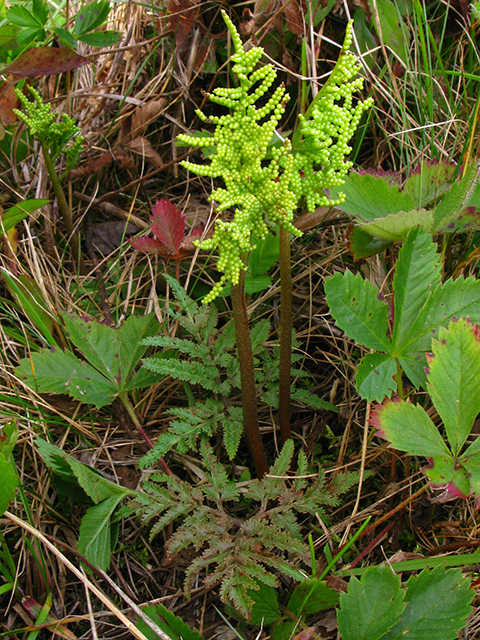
[[371, 606], [392, 33], [357, 309], [111, 356], [453, 381], [421, 306], [435, 605], [386, 210], [168, 622], [95, 539], [438, 605]]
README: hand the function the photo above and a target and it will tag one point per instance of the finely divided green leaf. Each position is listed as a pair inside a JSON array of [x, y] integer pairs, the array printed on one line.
[[408, 428], [438, 605], [371, 606], [417, 274], [357, 310], [454, 380]]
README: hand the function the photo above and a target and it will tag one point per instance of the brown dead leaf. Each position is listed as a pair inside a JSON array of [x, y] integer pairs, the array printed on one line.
[[182, 18], [108, 236], [8, 102], [145, 114], [45, 61], [95, 165], [142, 147], [294, 17]]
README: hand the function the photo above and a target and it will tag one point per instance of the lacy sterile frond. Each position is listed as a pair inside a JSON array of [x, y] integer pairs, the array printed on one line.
[[207, 360], [256, 177], [242, 533], [325, 129]]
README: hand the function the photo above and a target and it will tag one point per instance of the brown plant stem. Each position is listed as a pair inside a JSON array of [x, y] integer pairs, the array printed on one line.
[[285, 335], [247, 376], [64, 209]]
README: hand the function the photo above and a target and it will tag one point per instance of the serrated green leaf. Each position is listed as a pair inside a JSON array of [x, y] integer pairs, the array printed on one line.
[[417, 274], [95, 485], [22, 17], [357, 310], [265, 605], [362, 244], [65, 35], [168, 622], [131, 335], [408, 428], [374, 376], [453, 202], [370, 197], [371, 606], [459, 298], [429, 180], [454, 380], [438, 605], [471, 462], [57, 371], [91, 16], [446, 473], [100, 38], [95, 537], [394, 227], [312, 596]]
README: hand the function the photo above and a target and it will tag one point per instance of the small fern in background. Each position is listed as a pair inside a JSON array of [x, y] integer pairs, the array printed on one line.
[[239, 551], [207, 359]]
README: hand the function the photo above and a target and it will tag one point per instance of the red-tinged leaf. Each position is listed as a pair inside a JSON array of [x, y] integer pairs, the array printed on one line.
[[8, 102], [147, 245], [45, 61], [306, 634], [168, 224], [187, 241]]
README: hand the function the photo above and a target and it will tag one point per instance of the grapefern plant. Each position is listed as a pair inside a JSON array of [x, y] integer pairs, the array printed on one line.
[[239, 553], [207, 360]]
